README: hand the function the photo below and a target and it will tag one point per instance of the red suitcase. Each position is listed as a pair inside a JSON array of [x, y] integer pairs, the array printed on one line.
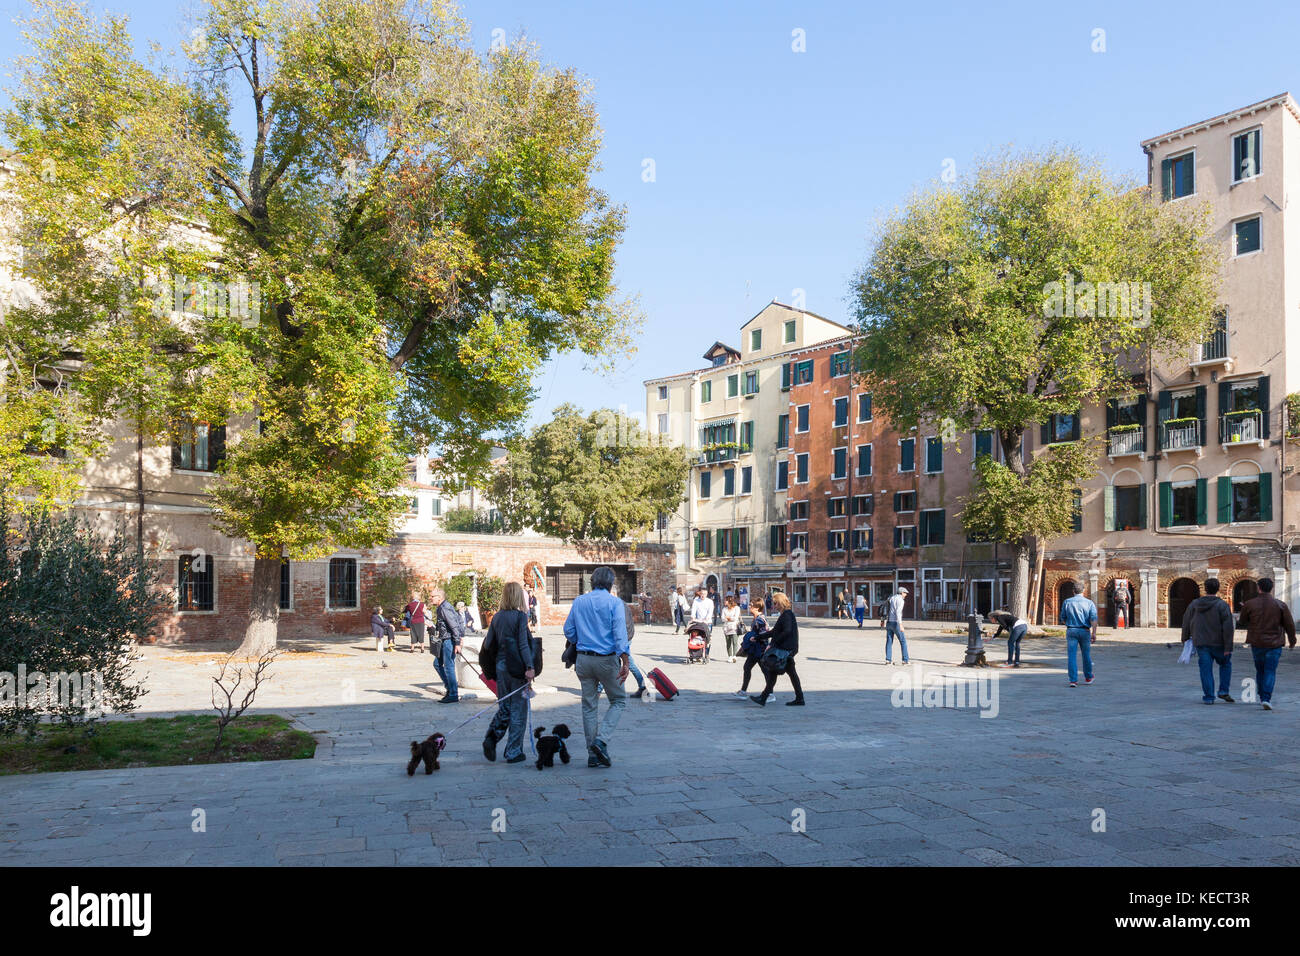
[[667, 689]]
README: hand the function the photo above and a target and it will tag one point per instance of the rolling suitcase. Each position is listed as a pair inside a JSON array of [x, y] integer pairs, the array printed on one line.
[[666, 688]]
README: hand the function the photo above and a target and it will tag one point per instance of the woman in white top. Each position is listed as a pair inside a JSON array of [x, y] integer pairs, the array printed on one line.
[[731, 626]]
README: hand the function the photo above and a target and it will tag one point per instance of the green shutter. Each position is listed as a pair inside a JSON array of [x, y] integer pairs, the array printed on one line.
[[1075, 426], [1109, 499], [1166, 179], [1266, 496], [1146, 432], [1112, 412], [1225, 500], [940, 517], [1200, 413], [1266, 411], [1142, 506], [785, 377], [1166, 504], [1202, 501]]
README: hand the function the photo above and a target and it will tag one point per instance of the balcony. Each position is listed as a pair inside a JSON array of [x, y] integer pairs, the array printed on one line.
[[1212, 352], [1242, 428], [1181, 435], [1126, 440]]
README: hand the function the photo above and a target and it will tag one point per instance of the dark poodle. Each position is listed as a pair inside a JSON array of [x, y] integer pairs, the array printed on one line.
[[550, 745], [428, 752]]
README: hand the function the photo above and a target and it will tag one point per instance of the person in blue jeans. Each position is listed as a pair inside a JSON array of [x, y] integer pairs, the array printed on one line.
[[449, 629], [1208, 625], [1269, 626], [1079, 615], [894, 611], [509, 633]]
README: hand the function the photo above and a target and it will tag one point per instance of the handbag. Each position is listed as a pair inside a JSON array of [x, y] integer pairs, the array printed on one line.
[[570, 655], [775, 659]]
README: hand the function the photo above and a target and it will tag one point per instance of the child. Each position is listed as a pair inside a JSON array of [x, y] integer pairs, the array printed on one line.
[[753, 645]]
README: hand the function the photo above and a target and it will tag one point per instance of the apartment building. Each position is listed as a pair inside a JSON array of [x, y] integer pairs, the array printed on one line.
[[1196, 480], [730, 530]]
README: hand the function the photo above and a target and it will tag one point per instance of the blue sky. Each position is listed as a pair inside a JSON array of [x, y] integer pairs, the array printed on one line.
[[771, 166]]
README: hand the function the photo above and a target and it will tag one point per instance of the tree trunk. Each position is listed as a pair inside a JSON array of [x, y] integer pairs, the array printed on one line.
[[263, 608], [1020, 578]]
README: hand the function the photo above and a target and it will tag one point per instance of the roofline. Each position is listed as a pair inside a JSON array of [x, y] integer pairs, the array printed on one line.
[[758, 360], [790, 308], [1281, 99]]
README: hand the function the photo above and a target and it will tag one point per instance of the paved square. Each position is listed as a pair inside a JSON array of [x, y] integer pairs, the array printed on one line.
[[709, 778]]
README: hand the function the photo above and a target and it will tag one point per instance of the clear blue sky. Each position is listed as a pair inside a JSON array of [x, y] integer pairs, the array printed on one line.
[[772, 166]]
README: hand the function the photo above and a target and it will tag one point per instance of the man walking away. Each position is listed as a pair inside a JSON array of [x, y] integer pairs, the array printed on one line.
[[894, 625], [1208, 622], [597, 626], [416, 611], [1079, 615], [1266, 620], [860, 609], [448, 632]]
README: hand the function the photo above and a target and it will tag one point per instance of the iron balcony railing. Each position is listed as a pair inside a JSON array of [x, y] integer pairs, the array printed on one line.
[[1181, 435], [1215, 347], [1129, 441], [1241, 427]]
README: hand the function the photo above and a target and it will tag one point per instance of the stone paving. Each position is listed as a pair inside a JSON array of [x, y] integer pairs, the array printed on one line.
[[710, 779]]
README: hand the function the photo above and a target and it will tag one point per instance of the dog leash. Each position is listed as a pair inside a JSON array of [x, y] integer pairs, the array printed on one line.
[[485, 710], [527, 703]]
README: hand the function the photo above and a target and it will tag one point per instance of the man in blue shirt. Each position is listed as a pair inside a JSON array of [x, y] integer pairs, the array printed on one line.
[[597, 624], [1079, 615]]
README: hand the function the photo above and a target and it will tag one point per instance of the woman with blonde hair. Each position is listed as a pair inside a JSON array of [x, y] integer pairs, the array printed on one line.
[[513, 639], [780, 654]]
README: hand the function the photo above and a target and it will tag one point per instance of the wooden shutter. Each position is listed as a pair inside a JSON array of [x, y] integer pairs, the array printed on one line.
[[1163, 404], [216, 446], [1200, 412], [176, 449], [1202, 501], [1266, 496], [1108, 499], [1166, 179], [940, 533], [1142, 506], [1225, 398], [1142, 420], [1112, 412], [1166, 504], [1045, 433], [785, 377], [1074, 428], [1224, 515], [1266, 412], [871, 538]]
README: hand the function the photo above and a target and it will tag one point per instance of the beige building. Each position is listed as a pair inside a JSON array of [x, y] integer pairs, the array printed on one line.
[[730, 529]]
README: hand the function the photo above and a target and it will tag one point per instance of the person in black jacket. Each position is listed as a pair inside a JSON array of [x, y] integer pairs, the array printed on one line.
[[785, 637], [509, 632]]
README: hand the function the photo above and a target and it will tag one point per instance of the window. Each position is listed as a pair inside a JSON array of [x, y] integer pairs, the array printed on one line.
[[904, 537], [907, 454], [413, 506], [723, 542], [718, 441], [1178, 176], [864, 407], [801, 469], [437, 507], [932, 526], [839, 364], [785, 377], [863, 504], [782, 475], [198, 446], [739, 542], [1059, 428], [733, 385], [789, 331], [835, 507], [728, 482], [801, 418], [803, 372], [702, 543], [835, 540], [983, 444], [663, 423], [1245, 498], [863, 539], [751, 383], [798, 511], [746, 480], [799, 542], [1245, 236], [663, 392], [933, 456], [904, 500], [1245, 156], [1076, 512], [776, 538], [1182, 503], [755, 340], [706, 484], [841, 464], [343, 583], [706, 392], [661, 523], [864, 460], [194, 582], [746, 436], [1126, 507], [783, 431], [841, 412], [286, 586]]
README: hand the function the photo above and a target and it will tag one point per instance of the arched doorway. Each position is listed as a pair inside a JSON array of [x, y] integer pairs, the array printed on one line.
[[1243, 591], [711, 582], [1064, 591], [1181, 593]]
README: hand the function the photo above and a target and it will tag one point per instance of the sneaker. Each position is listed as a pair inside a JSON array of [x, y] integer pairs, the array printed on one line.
[[1266, 704], [601, 752], [888, 662], [797, 702], [1089, 680], [742, 694], [1204, 701], [516, 759], [731, 660], [450, 700], [1074, 683], [640, 691], [758, 699], [1227, 698], [591, 759], [490, 748]]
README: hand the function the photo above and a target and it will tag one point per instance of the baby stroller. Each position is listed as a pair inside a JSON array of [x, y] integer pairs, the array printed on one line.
[[697, 642]]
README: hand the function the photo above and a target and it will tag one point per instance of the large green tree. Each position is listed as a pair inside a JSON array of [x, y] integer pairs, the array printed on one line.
[[983, 306], [597, 476], [418, 219]]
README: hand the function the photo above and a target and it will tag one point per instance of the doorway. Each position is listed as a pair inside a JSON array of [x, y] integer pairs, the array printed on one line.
[[1181, 594], [982, 597], [1242, 592]]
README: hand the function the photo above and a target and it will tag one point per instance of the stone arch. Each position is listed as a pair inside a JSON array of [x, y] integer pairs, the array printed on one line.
[[1105, 598], [1181, 592], [1127, 473]]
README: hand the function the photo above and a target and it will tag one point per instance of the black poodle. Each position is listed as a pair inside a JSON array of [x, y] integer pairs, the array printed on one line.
[[428, 752], [550, 745]]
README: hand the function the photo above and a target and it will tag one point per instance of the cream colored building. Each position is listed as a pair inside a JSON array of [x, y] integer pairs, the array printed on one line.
[[729, 413]]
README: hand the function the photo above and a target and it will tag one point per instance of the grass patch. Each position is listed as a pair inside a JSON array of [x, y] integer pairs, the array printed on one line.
[[154, 742]]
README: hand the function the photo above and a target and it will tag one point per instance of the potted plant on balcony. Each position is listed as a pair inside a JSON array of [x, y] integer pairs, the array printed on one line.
[[1241, 424], [1175, 425]]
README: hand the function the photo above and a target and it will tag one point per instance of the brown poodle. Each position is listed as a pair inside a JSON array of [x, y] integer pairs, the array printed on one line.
[[428, 752]]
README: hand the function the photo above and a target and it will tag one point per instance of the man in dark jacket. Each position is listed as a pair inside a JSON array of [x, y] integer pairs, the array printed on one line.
[[448, 632], [1208, 622], [1267, 621]]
